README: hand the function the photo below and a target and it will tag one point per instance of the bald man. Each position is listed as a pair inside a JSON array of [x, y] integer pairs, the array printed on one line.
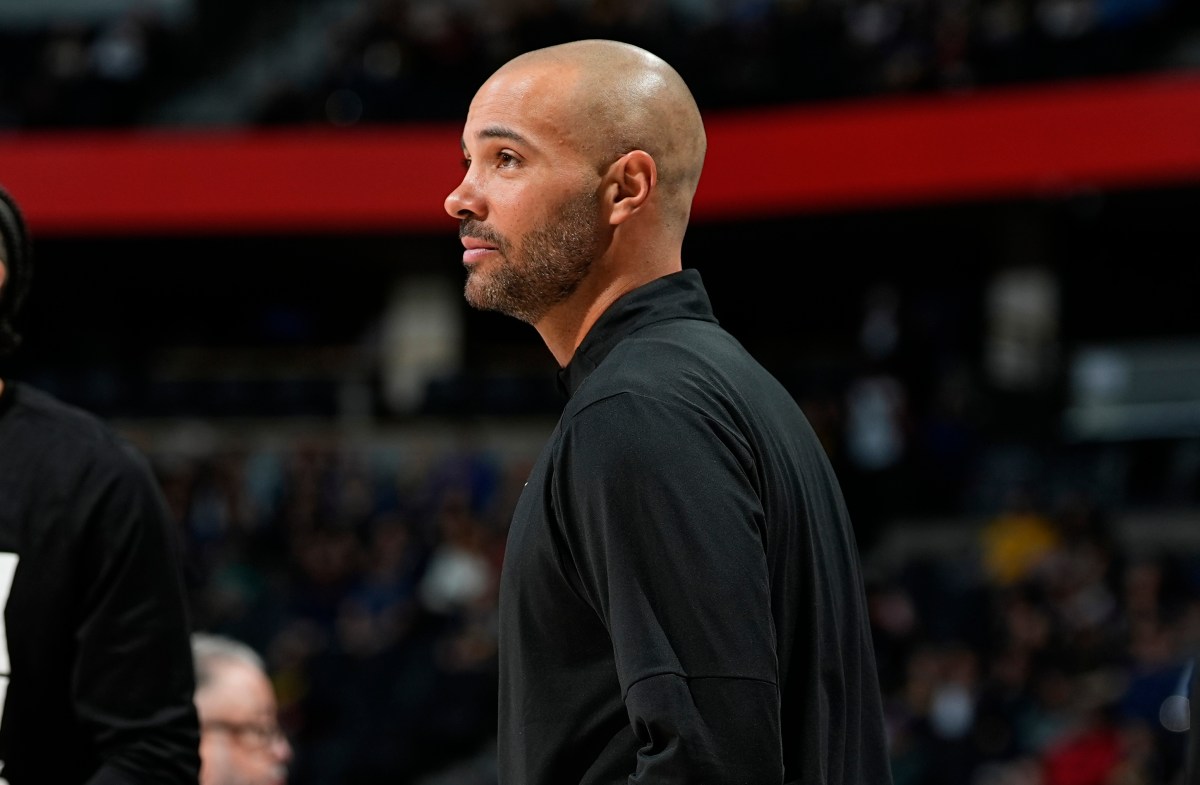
[[681, 597]]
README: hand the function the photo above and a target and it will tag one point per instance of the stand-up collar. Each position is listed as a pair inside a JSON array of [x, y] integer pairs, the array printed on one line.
[[679, 295]]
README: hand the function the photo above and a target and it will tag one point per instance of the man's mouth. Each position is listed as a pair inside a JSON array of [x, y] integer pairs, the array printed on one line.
[[475, 249]]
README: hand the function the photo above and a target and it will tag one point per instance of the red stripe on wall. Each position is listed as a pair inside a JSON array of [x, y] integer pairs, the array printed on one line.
[[998, 143]]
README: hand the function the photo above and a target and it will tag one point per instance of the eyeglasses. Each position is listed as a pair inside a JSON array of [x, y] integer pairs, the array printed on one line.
[[254, 735]]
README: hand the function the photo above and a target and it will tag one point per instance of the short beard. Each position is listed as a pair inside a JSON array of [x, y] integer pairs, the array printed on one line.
[[544, 270]]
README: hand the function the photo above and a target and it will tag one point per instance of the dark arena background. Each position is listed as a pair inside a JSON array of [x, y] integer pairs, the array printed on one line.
[[963, 233]]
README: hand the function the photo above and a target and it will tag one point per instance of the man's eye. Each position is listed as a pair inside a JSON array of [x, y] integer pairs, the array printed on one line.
[[506, 159], [466, 163]]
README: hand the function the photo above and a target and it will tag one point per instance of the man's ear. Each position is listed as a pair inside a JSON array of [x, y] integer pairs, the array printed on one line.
[[633, 177]]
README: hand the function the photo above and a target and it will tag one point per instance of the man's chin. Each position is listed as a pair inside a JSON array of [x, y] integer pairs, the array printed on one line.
[[480, 295], [476, 297]]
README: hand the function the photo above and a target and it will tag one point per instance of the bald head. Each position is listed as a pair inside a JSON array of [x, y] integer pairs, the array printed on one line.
[[614, 97], [580, 162]]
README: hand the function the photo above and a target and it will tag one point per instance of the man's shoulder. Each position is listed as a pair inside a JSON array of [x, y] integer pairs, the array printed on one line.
[[40, 423], [690, 358], [38, 408]]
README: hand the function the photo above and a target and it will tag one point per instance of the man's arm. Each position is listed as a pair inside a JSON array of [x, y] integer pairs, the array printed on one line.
[[133, 680], [665, 528]]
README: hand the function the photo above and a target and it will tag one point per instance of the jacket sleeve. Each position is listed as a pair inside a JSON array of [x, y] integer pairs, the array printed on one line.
[[133, 680], [660, 513]]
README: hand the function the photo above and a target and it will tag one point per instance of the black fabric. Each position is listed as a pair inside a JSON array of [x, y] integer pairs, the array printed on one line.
[[681, 599], [100, 673], [1191, 775], [15, 253]]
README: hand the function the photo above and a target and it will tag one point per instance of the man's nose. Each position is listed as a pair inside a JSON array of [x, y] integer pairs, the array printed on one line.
[[464, 201]]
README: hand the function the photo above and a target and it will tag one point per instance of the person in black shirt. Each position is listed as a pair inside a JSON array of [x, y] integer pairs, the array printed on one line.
[[96, 673], [681, 597]]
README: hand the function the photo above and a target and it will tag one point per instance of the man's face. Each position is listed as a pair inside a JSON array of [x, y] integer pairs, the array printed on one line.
[[528, 204], [240, 741]]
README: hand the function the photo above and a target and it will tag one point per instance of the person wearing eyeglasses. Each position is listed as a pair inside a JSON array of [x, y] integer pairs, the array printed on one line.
[[240, 739]]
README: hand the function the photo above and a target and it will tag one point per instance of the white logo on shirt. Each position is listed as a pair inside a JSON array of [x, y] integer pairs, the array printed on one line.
[[8, 568]]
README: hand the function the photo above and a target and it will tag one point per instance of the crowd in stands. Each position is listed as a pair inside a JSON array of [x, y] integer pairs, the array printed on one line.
[[1035, 644], [81, 75], [1054, 657], [367, 579], [409, 60], [1041, 652], [1046, 653], [398, 60]]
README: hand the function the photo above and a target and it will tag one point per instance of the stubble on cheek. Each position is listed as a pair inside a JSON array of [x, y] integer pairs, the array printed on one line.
[[481, 289], [526, 281]]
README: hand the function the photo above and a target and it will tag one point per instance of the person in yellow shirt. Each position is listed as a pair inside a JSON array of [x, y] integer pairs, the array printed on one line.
[[1017, 541]]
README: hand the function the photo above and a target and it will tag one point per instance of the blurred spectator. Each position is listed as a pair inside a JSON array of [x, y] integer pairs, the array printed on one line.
[[459, 572], [1018, 540], [241, 742], [878, 421]]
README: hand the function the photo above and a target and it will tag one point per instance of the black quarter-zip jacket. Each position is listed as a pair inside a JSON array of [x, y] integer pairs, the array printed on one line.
[[681, 599]]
